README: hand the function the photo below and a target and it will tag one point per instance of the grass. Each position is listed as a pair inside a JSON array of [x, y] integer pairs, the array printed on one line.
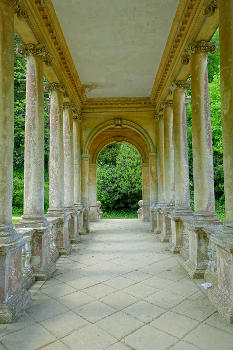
[[120, 215], [15, 221]]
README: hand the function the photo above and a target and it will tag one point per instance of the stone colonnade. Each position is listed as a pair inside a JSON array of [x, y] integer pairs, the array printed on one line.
[[203, 241], [30, 250]]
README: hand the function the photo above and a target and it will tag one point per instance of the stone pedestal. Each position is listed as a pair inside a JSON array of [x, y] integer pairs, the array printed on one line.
[[27, 269], [43, 265], [64, 246], [13, 297], [177, 228], [165, 224], [93, 213], [221, 295], [73, 225], [198, 258]]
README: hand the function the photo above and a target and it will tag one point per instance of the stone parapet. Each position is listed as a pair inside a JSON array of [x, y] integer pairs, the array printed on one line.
[[221, 293]]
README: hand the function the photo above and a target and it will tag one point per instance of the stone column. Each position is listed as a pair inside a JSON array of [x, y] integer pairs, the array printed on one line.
[[161, 173], [161, 159], [13, 298], [34, 138], [203, 174], [69, 170], [77, 119], [181, 166], [226, 75], [84, 190], [56, 152], [153, 188], [93, 214], [169, 153], [56, 168], [146, 191]]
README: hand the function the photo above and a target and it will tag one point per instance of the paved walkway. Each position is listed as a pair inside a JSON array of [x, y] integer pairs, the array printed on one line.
[[120, 289]]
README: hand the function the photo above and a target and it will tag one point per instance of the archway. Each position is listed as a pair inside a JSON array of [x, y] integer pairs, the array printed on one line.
[[123, 134]]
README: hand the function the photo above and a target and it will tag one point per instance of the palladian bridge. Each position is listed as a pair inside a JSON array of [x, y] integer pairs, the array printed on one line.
[[117, 71]]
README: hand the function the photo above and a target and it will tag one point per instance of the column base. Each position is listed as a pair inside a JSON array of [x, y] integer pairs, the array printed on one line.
[[42, 264], [79, 208], [73, 224], [33, 221], [177, 228], [14, 298], [64, 246], [13, 308], [193, 271]]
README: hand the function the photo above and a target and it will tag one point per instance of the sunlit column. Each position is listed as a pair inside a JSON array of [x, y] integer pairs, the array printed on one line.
[[34, 137], [84, 189], [13, 298], [56, 155], [169, 153], [161, 158], [181, 166], [226, 75], [68, 156], [203, 173]]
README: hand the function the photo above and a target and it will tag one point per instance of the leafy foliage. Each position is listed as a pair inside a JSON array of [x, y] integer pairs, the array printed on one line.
[[119, 175]]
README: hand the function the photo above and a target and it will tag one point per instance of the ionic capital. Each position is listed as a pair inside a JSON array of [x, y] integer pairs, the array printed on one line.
[[211, 8], [185, 58], [168, 103], [158, 117], [182, 84], [55, 87], [69, 105], [35, 50], [203, 47], [18, 8]]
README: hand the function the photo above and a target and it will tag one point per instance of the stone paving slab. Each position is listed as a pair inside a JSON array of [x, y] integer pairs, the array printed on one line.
[[119, 289]]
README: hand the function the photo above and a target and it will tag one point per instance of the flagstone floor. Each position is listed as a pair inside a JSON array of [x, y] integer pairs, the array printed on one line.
[[120, 289]]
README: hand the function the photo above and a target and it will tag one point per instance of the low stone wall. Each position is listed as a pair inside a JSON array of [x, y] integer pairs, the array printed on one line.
[[207, 249]]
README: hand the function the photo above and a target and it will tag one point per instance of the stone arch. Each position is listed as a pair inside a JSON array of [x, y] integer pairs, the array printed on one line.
[[102, 145], [119, 123]]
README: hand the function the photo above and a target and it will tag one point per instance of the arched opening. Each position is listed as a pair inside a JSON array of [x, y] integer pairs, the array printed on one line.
[[119, 180], [119, 157]]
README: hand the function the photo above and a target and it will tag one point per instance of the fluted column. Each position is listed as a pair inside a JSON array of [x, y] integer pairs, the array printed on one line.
[[68, 156], [84, 189], [34, 137], [226, 75], [181, 166], [203, 173], [169, 153], [56, 154], [13, 298]]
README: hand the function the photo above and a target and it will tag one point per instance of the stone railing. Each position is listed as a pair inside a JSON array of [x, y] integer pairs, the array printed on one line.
[[39, 256], [207, 251]]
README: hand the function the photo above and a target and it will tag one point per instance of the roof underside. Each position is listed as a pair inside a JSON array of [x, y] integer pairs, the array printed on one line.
[[116, 45]]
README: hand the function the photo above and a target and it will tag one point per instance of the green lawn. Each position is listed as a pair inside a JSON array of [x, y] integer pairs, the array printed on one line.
[[120, 215]]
